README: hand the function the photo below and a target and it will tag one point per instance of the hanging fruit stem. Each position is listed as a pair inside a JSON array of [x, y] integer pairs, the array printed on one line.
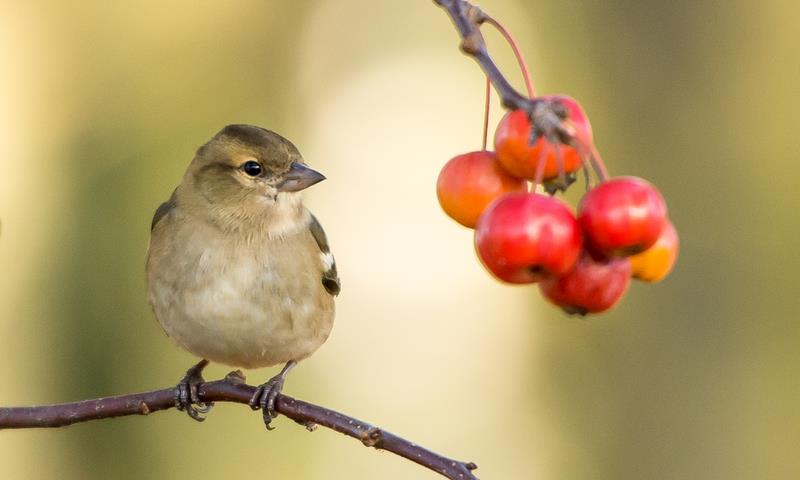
[[486, 106], [517, 52]]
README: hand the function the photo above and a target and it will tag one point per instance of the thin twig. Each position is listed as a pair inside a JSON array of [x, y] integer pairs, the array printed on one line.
[[233, 390], [467, 19]]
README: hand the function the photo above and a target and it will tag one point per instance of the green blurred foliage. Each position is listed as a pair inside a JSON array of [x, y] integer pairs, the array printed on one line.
[[693, 378]]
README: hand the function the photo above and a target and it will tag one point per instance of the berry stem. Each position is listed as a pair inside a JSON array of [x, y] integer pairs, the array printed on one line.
[[486, 105], [599, 165], [562, 175], [538, 178], [583, 154], [590, 151], [517, 52]]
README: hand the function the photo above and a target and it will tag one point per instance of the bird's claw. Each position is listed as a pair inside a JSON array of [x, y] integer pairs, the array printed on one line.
[[187, 397], [264, 398]]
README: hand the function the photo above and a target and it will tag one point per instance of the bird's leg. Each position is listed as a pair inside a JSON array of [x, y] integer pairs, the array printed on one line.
[[265, 395], [186, 396]]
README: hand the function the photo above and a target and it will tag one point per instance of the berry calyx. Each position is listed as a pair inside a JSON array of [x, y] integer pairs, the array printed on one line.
[[656, 262], [591, 287], [468, 183], [576, 120], [526, 237], [622, 216], [514, 134]]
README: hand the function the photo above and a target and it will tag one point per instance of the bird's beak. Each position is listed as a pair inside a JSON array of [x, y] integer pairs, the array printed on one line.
[[299, 177]]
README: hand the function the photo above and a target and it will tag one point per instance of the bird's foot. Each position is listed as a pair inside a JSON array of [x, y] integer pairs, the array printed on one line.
[[266, 394], [186, 393]]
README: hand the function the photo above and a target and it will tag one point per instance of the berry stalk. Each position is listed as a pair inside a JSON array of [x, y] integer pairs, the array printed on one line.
[[526, 74]]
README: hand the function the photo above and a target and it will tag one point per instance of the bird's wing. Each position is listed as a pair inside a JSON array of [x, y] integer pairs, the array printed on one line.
[[330, 278], [163, 210]]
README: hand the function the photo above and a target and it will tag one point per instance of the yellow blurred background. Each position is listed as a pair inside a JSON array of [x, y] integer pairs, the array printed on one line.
[[102, 105]]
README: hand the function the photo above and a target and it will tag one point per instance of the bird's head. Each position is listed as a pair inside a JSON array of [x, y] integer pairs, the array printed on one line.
[[246, 173]]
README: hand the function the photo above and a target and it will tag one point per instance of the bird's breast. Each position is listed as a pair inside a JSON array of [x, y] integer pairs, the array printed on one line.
[[247, 305]]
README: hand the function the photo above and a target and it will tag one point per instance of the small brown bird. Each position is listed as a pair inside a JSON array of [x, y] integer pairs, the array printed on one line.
[[239, 271]]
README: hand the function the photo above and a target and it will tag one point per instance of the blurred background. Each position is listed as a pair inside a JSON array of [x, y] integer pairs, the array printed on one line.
[[102, 105]]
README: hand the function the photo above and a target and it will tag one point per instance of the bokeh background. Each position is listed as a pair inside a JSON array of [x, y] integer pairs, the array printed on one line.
[[102, 105]]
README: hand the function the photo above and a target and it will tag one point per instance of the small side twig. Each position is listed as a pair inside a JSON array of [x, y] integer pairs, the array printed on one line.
[[233, 390]]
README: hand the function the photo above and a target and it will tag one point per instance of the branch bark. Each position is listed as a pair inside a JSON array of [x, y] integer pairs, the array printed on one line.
[[233, 389], [546, 116], [467, 19]]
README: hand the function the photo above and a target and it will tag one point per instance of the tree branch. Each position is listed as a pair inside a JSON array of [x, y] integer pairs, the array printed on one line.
[[546, 115], [467, 19], [233, 389]]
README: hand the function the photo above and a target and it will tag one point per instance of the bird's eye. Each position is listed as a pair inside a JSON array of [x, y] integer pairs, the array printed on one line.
[[252, 168]]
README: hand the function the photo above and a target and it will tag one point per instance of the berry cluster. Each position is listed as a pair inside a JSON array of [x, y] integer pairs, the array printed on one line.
[[582, 263]]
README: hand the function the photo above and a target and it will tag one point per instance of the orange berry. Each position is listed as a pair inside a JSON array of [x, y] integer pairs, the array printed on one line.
[[470, 182], [656, 262], [515, 152]]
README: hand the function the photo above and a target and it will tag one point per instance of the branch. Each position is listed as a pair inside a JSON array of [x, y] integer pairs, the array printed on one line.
[[233, 389], [467, 19], [546, 116]]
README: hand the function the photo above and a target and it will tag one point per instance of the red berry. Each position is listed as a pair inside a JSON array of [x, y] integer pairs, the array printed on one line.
[[591, 287], [524, 237], [515, 152], [468, 183], [622, 216], [655, 263]]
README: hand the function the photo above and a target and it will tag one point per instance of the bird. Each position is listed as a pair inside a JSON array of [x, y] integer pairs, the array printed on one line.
[[239, 272]]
